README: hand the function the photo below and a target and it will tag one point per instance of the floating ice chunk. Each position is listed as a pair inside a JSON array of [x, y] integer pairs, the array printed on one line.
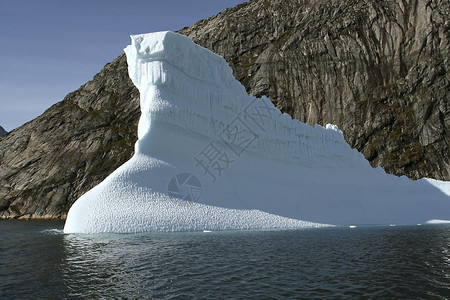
[[210, 157], [434, 221]]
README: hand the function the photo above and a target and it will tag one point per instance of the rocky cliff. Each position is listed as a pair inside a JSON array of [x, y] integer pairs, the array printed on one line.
[[378, 69]]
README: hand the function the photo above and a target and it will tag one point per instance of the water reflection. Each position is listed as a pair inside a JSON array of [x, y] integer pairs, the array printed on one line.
[[372, 262], [384, 262], [140, 265]]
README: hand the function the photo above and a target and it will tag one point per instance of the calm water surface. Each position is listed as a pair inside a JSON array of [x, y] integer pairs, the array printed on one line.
[[37, 261]]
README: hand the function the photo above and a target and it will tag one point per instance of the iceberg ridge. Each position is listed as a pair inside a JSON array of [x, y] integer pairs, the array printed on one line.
[[210, 157]]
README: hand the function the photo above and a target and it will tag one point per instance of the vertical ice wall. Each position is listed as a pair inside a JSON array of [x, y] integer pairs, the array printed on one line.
[[211, 157]]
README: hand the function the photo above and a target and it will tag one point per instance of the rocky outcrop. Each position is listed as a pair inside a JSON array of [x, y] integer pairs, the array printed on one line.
[[377, 69], [2, 131]]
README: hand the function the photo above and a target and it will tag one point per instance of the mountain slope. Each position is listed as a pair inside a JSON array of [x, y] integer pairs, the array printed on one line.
[[377, 69]]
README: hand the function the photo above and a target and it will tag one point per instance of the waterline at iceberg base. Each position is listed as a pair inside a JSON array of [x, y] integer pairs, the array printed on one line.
[[210, 157]]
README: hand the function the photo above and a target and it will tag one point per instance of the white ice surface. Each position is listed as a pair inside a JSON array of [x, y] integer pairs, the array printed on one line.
[[259, 168]]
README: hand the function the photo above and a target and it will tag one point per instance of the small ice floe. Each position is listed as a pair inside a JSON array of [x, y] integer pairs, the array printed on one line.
[[207, 231], [52, 231], [435, 221]]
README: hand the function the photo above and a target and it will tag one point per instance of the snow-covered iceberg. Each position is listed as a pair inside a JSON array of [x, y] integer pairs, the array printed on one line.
[[210, 157]]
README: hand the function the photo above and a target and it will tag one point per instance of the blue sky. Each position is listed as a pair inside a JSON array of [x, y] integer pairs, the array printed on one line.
[[49, 48]]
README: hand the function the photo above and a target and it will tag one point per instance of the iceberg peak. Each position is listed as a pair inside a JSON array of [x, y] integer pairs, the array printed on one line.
[[177, 51]]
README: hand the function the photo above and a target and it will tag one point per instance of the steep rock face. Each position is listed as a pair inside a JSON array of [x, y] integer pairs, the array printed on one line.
[[378, 69], [2, 131], [49, 162]]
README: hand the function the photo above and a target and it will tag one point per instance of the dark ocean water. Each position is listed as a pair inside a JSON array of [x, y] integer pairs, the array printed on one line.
[[37, 261]]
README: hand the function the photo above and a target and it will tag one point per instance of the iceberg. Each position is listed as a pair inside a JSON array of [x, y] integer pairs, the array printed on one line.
[[211, 157]]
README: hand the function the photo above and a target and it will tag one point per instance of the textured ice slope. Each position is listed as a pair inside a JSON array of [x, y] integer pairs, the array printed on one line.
[[211, 157]]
